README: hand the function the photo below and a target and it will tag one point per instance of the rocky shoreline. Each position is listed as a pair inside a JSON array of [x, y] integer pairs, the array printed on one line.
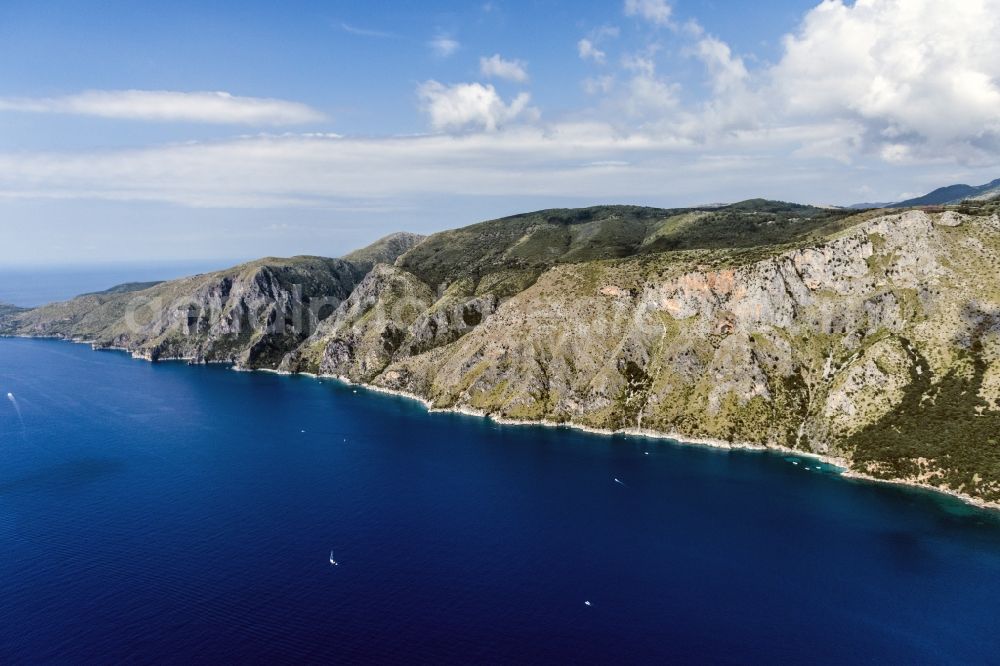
[[871, 340], [842, 465]]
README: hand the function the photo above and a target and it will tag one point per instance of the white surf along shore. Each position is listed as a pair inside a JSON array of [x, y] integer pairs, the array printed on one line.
[[841, 465]]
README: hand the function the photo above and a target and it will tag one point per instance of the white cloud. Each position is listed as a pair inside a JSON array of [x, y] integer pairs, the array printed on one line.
[[727, 71], [693, 28], [640, 62], [605, 32], [588, 51], [856, 87], [550, 165], [598, 85], [365, 32], [906, 81], [587, 48], [497, 67], [470, 105], [649, 98], [645, 96], [294, 170], [656, 12], [170, 106], [923, 76], [443, 46]]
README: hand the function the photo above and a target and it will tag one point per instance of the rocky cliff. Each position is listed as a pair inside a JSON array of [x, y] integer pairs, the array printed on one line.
[[880, 345], [874, 337], [384, 251], [249, 315]]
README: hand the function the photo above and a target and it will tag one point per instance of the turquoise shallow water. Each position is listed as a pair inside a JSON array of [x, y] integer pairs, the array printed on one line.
[[186, 514]]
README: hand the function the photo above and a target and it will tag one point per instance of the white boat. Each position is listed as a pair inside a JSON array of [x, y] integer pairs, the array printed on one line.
[[332, 561]]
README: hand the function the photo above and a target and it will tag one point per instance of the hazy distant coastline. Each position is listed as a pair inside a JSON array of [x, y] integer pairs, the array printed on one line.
[[32, 286]]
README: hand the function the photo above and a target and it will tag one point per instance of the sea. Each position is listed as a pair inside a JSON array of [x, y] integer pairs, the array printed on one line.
[[188, 514], [31, 286]]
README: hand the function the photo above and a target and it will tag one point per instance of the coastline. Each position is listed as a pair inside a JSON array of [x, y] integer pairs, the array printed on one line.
[[841, 464]]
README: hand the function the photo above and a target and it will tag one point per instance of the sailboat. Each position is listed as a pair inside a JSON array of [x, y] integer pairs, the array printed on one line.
[[332, 561]]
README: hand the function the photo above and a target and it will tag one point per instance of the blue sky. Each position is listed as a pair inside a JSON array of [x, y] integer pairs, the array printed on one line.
[[317, 53], [195, 130]]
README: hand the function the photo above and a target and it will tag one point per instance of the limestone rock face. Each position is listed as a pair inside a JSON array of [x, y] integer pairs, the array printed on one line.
[[809, 348], [249, 315], [369, 327], [449, 321], [391, 314], [876, 339], [384, 251]]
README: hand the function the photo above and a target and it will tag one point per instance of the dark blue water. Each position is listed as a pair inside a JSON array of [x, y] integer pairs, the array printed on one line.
[[180, 514]]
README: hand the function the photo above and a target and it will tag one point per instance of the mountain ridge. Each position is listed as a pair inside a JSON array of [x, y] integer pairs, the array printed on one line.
[[947, 195], [840, 333]]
